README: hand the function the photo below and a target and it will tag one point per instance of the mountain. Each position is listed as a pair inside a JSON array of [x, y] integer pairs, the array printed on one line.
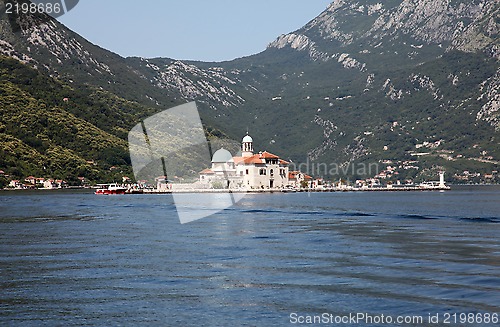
[[67, 105], [51, 48], [62, 104], [411, 84]]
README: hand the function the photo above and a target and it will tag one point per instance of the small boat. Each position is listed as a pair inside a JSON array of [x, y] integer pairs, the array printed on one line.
[[433, 186], [108, 189]]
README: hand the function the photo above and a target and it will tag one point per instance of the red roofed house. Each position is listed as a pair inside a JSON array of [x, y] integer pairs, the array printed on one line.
[[250, 171], [30, 180], [296, 178]]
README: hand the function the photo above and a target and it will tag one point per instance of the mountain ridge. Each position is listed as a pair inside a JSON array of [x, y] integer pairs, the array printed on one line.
[[362, 82]]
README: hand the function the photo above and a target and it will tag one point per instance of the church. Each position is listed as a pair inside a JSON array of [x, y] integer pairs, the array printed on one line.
[[249, 171]]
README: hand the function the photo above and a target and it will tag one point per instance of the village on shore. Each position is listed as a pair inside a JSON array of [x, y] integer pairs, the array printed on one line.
[[249, 172]]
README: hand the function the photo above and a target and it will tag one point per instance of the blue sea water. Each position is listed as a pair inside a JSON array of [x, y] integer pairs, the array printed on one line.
[[75, 258]]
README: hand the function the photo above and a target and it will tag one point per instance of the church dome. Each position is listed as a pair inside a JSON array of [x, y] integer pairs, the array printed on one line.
[[221, 156], [247, 139]]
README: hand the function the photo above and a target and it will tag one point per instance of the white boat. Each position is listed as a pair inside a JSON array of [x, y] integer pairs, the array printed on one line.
[[107, 189]]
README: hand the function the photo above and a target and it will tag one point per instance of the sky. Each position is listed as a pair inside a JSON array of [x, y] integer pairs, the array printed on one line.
[[205, 30]]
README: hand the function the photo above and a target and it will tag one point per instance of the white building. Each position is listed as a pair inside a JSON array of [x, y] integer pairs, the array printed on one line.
[[263, 170]]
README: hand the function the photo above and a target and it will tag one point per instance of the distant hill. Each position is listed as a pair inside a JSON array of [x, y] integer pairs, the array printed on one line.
[[408, 84]]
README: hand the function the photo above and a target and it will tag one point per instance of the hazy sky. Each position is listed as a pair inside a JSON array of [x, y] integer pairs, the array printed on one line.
[[207, 30]]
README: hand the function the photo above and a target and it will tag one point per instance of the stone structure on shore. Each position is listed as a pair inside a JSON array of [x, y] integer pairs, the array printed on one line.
[[262, 170]]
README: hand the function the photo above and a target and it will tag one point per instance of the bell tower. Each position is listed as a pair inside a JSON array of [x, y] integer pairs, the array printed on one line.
[[247, 146]]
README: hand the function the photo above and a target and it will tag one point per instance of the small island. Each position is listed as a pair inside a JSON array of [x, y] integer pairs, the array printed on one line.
[[261, 172]]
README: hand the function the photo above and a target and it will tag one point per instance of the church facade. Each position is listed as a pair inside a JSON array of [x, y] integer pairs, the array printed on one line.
[[249, 171]]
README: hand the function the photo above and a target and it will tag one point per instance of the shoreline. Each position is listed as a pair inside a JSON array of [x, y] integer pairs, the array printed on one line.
[[302, 190], [256, 191]]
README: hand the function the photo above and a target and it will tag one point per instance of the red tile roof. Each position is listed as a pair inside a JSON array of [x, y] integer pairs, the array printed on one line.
[[207, 172], [255, 159], [293, 175], [238, 160], [268, 155]]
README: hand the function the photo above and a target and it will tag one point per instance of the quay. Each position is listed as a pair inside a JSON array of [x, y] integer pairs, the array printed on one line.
[[299, 190]]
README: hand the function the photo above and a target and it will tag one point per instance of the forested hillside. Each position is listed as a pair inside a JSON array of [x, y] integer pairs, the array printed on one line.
[[48, 129]]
